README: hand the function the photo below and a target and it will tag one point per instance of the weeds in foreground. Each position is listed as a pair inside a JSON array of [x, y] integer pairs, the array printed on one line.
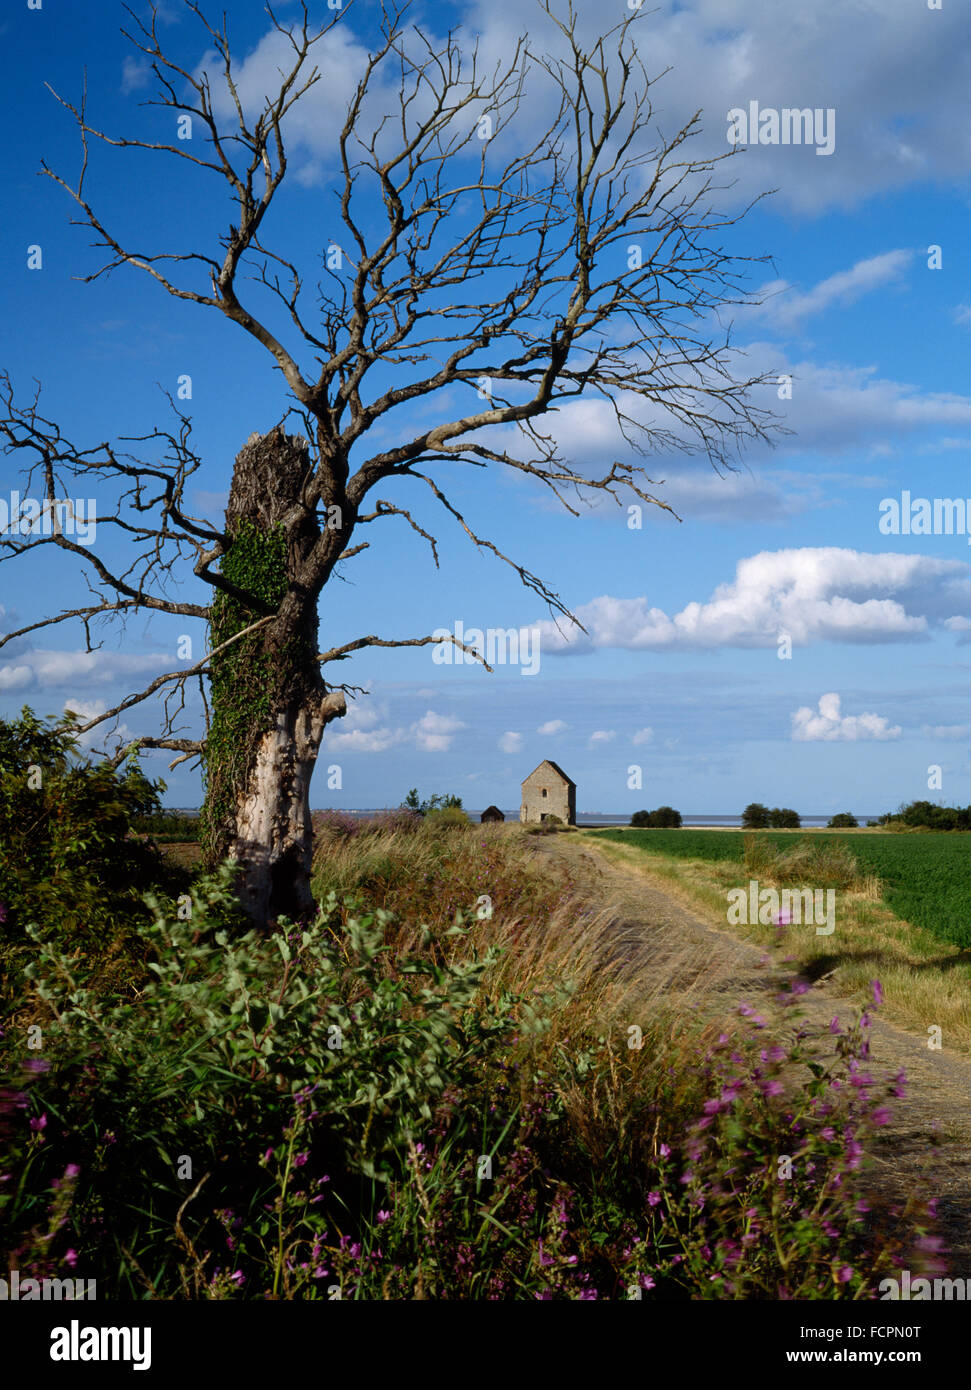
[[517, 1104]]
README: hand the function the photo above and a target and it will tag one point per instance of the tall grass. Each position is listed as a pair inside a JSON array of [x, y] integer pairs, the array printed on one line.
[[462, 1082], [823, 863], [925, 978]]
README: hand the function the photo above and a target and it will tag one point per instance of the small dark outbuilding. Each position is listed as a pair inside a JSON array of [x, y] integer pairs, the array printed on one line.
[[490, 814]]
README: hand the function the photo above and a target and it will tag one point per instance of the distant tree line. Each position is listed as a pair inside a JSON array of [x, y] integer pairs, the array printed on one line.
[[759, 817], [434, 803], [664, 818], [436, 810], [925, 815]]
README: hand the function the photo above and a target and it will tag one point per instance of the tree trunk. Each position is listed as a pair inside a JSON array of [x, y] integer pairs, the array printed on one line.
[[269, 703]]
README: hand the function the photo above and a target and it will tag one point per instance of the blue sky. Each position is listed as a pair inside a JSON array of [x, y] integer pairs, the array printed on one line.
[[679, 673]]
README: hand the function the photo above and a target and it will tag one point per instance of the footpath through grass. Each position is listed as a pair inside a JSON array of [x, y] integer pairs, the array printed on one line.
[[903, 907], [447, 1084]]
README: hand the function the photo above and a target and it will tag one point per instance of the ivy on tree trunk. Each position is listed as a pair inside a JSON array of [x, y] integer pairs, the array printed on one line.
[[269, 703]]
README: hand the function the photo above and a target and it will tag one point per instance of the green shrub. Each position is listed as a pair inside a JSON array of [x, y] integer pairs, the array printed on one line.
[[434, 803], [446, 817], [925, 815], [68, 859], [664, 818], [409, 1113], [168, 827], [216, 1060], [844, 820], [821, 863]]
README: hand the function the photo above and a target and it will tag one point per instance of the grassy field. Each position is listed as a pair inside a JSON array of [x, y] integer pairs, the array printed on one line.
[[904, 907], [924, 877], [396, 1102]]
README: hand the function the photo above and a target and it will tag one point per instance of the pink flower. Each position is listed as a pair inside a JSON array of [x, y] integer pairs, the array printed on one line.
[[40, 1123], [653, 1199], [877, 993], [664, 1151], [70, 1258], [383, 1216], [845, 1274]]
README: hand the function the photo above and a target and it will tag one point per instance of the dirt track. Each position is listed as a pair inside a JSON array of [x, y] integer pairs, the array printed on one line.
[[927, 1145]]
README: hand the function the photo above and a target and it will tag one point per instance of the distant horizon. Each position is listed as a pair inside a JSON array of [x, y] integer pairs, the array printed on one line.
[[514, 812]]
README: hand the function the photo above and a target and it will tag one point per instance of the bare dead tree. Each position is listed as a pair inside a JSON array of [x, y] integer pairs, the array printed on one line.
[[530, 298]]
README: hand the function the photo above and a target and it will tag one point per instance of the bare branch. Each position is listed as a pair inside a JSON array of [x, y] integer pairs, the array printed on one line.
[[342, 653]]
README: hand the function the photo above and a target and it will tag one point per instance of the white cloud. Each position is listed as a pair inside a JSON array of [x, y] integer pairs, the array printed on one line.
[[602, 736], [786, 307], [950, 733], [828, 725], [642, 736], [135, 74], [361, 731], [107, 735], [837, 409], [362, 741], [366, 729], [41, 669], [552, 726], [725, 53], [821, 594], [434, 733], [722, 54], [310, 125], [16, 677], [510, 742]]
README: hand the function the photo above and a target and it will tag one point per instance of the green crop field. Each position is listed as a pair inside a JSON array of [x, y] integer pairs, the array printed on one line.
[[925, 877]]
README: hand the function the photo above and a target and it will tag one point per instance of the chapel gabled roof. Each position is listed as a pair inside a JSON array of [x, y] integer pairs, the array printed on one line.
[[548, 762]]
